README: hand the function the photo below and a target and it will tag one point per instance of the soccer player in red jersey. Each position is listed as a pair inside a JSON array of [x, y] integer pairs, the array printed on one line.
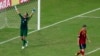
[[82, 40]]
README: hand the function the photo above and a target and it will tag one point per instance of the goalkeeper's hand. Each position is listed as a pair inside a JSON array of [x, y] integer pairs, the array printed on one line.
[[15, 7], [33, 10]]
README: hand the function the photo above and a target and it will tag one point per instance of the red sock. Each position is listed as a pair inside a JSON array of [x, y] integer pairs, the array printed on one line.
[[82, 52]]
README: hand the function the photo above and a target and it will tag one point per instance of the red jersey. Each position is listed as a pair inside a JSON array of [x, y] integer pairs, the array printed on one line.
[[82, 36]]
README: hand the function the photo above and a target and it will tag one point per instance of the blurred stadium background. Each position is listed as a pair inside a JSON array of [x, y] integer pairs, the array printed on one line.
[[54, 38]]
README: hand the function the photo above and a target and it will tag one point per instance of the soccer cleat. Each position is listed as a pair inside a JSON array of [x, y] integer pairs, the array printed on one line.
[[23, 47], [77, 54], [26, 44]]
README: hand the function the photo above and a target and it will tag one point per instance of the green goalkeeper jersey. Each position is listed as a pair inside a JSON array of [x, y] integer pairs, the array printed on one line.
[[24, 22], [24, 25]]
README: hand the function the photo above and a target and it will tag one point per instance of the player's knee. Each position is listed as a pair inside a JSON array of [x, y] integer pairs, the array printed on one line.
[[22, 38], [83, 50]]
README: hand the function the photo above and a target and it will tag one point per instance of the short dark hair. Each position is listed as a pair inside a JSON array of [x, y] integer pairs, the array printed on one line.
[[84, 25]]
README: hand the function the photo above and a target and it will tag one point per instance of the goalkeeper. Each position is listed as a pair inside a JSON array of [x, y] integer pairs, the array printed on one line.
[[24, 26]]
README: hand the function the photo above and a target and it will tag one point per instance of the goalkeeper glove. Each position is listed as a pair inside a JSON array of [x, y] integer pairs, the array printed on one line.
[[33, 10], [15, 8]]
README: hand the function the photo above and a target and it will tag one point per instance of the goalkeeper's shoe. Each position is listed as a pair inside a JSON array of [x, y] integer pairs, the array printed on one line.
[[23, 47], [77, 54], [26, 44]]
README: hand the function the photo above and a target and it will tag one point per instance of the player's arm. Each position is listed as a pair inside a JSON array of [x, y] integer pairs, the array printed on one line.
[[32, 13], [16, 10], [78, 40], [88, 40], [85, 34]]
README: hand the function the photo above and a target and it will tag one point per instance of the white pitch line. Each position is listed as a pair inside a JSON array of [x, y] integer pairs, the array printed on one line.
[[93, 51], [52, 25], [90, 16]]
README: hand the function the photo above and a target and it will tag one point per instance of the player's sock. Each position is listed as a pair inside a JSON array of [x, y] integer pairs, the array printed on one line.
[[24, 42], [82, 53]]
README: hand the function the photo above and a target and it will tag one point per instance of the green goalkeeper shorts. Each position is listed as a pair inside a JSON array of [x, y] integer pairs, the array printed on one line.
[[23, 32]]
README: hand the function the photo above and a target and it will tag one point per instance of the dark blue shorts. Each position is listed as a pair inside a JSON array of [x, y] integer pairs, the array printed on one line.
[[82, 46]]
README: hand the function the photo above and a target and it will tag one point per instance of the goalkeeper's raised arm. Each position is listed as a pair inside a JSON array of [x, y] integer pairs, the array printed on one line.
[[16, 9], [33, 10]]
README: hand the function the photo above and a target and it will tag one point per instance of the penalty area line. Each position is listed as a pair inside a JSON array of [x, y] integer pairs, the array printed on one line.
[[53, 24], [93, 51], [89, 17]]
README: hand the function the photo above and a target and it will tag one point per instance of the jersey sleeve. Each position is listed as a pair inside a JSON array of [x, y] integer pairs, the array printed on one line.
[[20, 15]]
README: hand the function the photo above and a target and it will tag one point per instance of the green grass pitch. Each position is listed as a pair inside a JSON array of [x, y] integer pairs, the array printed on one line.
[[57, 40]]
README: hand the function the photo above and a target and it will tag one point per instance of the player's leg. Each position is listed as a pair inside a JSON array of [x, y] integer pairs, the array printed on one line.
[[79, 52], [83, 49], [25, 35], [22, 38], [83, 52], [24, 42], [23, 46]]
